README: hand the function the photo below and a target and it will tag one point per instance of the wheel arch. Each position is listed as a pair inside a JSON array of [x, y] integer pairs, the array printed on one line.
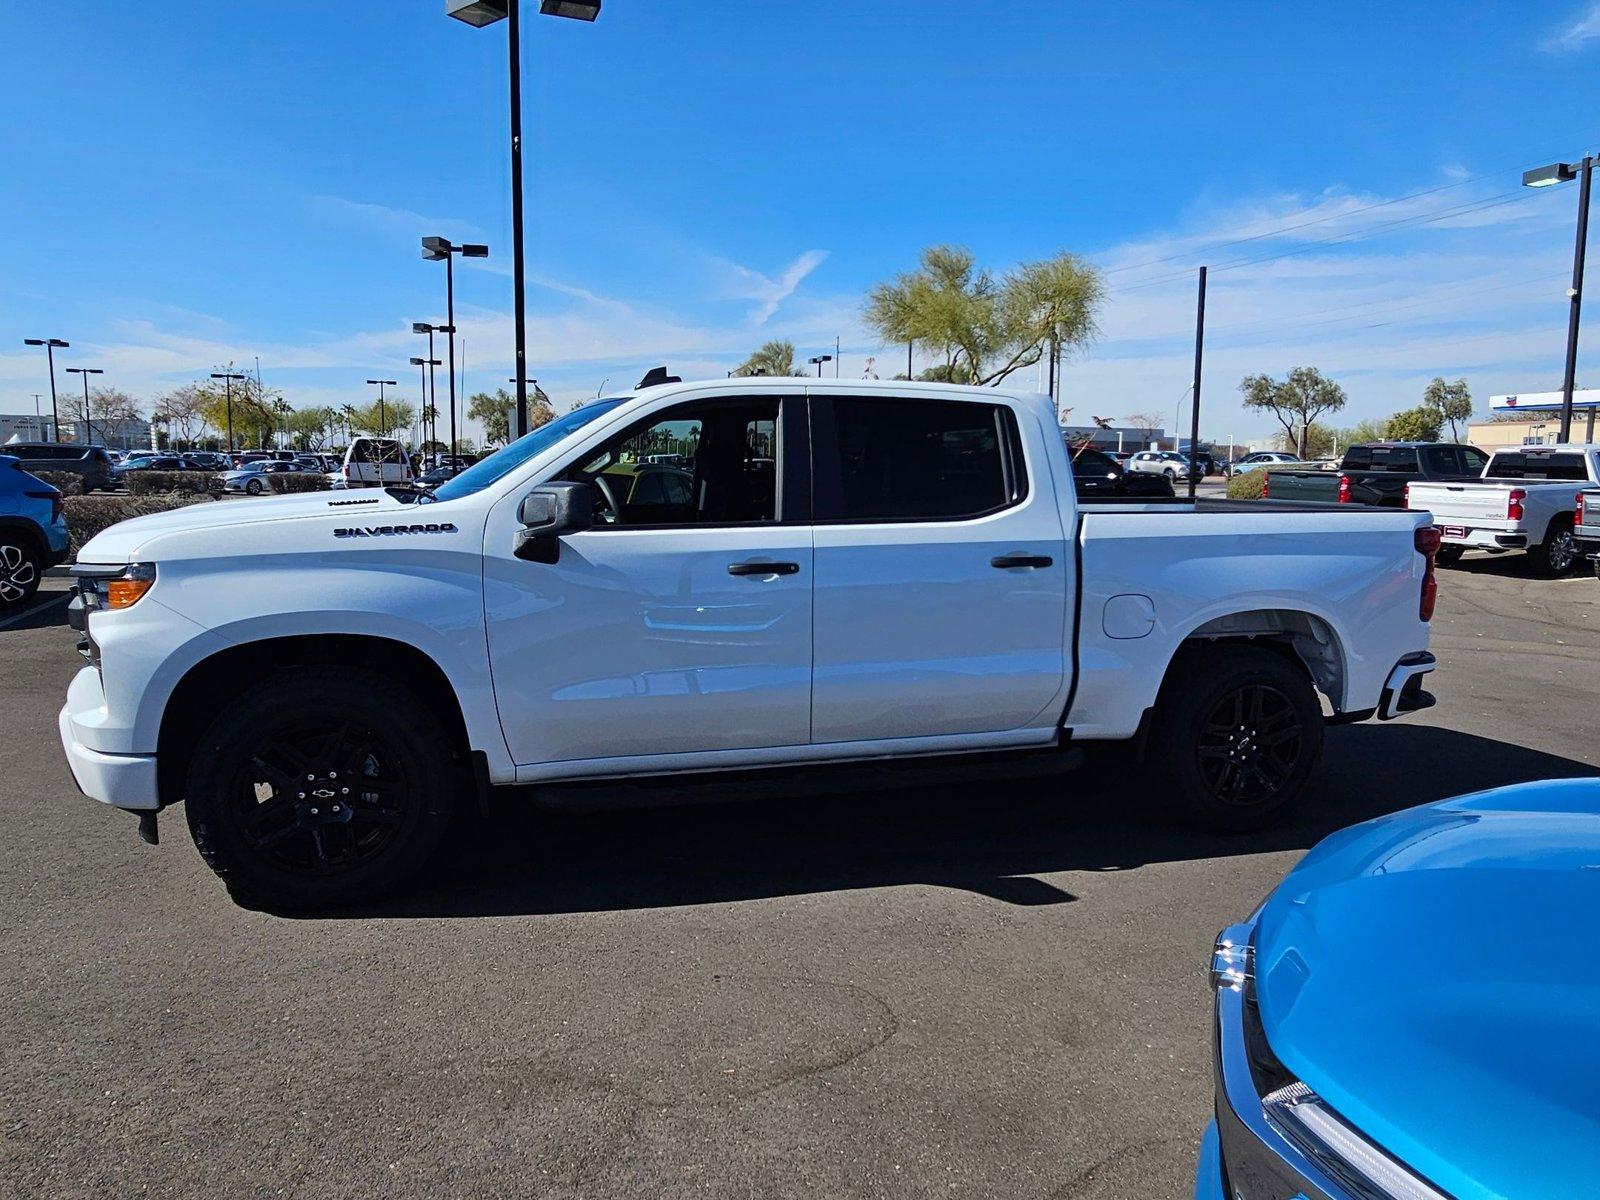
[[194, 700], [1306, 638], [27, 530]]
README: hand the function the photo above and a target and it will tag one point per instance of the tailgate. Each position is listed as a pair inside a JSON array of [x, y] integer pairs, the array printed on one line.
[[1303, 485], [1588, 515], [1461, 503]]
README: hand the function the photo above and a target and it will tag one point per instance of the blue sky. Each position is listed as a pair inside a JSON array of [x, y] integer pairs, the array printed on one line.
[[189, 183]]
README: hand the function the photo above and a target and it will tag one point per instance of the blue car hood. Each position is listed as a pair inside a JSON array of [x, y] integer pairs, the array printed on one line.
[[1435, 976]]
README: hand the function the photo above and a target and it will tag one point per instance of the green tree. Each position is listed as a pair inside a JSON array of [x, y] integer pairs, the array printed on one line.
[[1451, 401], [1298, 399], [1320, 441], [1370, 430], [253, 417], [493, 412], [310, 428], [985, 327], [1419, 424], [771, 358]]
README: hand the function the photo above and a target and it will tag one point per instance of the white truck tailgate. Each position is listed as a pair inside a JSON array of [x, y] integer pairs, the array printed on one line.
[[1477, 504]]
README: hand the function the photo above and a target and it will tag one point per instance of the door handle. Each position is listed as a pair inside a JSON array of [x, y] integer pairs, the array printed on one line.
[[764, 568], [1021, 560]]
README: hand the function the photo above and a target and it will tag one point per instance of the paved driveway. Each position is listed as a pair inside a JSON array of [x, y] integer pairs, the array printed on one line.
[[983, 986]]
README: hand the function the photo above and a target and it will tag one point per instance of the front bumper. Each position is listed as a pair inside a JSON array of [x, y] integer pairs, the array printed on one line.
[[120, 780]]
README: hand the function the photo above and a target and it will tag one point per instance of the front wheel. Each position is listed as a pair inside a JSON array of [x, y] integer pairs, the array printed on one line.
[[253, 487], [1170, 474], [1236, 735], [320, 786], [1557, 556]]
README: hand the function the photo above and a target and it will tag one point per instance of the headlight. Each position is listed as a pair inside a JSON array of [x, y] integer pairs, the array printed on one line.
[[114, 588], [1322, 1134]]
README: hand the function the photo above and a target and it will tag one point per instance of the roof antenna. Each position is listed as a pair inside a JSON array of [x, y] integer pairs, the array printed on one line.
[[656, 376]]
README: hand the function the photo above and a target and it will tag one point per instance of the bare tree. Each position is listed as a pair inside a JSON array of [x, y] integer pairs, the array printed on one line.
[[1146, 423]]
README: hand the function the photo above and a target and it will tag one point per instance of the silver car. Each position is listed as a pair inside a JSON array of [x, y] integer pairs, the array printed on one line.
[[1160, 462]]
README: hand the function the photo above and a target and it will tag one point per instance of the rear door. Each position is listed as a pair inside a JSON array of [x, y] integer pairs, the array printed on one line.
[[941, 575]]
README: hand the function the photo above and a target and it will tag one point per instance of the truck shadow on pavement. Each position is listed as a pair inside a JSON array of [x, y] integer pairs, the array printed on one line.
[[992, 836]]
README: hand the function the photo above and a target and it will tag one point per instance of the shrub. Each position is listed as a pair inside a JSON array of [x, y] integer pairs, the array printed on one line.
[[311, 481], [187, 483], [68, 483], [1247, 486], [89, 515]]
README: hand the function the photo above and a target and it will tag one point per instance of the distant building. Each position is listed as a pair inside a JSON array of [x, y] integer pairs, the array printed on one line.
[[18, 428], [119, 435], [1118, 437]]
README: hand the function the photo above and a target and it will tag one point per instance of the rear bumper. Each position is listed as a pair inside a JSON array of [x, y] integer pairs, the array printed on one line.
[[1402, 691], [120, 780], [1483, 539]]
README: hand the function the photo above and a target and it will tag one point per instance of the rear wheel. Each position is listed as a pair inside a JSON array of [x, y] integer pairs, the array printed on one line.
[[1449, 556], [1236, 734], [1557, 555], [20, 570], [320, 786], [253, 487]]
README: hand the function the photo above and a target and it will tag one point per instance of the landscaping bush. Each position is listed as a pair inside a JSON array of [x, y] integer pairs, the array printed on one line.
[[159, 483], [89, 515], [68, 483], [1247, 486], [311, 481]]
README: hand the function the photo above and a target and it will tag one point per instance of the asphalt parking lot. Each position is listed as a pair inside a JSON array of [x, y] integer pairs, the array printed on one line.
[[961, 986]]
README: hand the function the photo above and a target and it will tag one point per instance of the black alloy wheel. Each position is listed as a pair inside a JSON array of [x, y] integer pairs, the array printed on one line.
[[1249, 745]]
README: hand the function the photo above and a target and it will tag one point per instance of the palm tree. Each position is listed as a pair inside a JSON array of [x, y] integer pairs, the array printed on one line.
[[773, 358]]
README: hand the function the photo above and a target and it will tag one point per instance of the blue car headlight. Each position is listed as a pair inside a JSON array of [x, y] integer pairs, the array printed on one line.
[[1301, 1116]]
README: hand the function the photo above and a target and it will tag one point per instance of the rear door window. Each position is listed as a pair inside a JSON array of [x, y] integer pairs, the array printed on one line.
[[914, 460], [1521, 465]]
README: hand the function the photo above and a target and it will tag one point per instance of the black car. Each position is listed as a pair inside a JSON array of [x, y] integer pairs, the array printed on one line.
[[1098, 476]]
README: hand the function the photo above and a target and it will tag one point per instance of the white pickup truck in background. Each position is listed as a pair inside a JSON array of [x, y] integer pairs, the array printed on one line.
[[718, 577], [1525, 501]]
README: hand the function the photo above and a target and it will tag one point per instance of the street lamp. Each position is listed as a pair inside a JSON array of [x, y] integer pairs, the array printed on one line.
[[1546, 177], [383, 413], [430, 410], [430, 330], [86, 372], [479, 13], [819, 360], [230, 377], [434, 249], [51, 345]]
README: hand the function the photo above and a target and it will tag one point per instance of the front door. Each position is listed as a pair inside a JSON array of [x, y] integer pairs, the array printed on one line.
[[681, 623], [942, 580]]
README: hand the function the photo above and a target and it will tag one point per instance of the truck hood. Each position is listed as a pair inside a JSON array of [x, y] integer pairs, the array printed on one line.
[[1435, 977], [121, 542]]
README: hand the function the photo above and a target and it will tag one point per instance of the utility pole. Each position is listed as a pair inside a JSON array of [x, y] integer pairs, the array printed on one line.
[[1199, 353]]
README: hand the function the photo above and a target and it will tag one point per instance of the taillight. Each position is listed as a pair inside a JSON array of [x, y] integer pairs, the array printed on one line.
[[1427, 541], [1266, 493], [349, 471], [1514, 499], [1405, 497], [1577, 509], [1344, 489]]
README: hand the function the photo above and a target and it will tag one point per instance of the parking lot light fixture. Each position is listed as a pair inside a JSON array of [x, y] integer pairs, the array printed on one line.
[[51, 345], [1546, 177], [479, 13], [435, 249], [819, 360], [88, 424], [383, 413], [230, 377]]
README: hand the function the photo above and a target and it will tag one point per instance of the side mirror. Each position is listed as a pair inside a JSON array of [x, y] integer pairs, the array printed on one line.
[[550, 512]]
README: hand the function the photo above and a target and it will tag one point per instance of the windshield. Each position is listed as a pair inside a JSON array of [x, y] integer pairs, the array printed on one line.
[[502, 462]]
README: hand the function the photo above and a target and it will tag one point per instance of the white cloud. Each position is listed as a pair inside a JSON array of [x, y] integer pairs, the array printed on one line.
[[1578, 32], [746, 283]]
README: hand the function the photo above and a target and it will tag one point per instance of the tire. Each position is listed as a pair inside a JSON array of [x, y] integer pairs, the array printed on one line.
[[1170, 474], [21, 569], [325, 846], [1557, 556], [1236, 734], [253, 487], [1449, 556]]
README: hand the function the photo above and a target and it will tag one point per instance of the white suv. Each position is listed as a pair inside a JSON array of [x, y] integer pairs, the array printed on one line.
[[1160, 462]]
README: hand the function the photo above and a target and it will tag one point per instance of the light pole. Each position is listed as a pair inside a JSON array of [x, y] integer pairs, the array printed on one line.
[[486, 12], [51, 345], [433, 379], [429, 410], [86, 372], [434, 249], [383, 413], [230, 377], [1545, 177], [818, 361]]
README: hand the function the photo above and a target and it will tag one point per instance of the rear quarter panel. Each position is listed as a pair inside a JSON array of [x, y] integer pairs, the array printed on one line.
[[1357, 570]]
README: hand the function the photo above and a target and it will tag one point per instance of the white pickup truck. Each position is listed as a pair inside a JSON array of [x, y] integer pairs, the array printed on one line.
[[1525, 501], [715, 577]]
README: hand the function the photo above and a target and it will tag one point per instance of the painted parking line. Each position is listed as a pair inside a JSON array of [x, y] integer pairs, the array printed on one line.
[[55, 598]]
